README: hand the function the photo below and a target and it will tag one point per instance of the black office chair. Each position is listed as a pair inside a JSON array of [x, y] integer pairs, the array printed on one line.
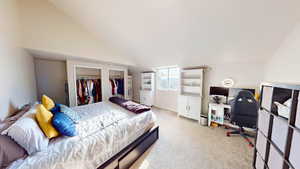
[[244, 110]]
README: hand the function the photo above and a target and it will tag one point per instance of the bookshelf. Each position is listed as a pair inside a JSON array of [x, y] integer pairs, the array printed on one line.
[[190, 99], [147, 88], [278, 137]]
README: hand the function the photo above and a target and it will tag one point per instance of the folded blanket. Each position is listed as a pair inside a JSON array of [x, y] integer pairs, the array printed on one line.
[[129, 105]]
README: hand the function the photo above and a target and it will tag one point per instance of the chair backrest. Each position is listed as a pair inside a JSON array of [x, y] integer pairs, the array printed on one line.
[[244, 109]]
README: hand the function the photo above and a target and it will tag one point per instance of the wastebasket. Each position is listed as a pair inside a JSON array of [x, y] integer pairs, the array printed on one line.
[[203, 120]]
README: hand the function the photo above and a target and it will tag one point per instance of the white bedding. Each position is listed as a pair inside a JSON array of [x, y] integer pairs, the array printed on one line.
[[104, 130]]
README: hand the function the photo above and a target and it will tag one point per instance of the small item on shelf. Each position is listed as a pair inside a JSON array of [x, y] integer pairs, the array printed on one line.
[[217, 99], [147, 88], [213, 124]]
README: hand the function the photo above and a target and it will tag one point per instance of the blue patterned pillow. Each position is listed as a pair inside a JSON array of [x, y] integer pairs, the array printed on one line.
[[64, 124], [69, 112], [55, 109]]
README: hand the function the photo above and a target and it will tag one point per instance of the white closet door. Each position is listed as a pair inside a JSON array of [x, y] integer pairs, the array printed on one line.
[[183, 105], [194, 107]]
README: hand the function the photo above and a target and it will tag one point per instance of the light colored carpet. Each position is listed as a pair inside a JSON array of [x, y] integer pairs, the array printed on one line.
[[184, 144]]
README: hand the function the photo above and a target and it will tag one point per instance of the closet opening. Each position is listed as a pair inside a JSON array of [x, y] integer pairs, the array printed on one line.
[[117, 84], [88, 85]]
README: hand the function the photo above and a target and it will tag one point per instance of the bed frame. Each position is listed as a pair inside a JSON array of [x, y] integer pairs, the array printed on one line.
[[125, 158]]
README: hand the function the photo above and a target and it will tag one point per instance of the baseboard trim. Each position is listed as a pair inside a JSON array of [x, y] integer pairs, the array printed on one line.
[[165, 109]]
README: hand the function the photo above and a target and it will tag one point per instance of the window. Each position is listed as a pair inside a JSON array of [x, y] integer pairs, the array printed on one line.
[[168, 78]]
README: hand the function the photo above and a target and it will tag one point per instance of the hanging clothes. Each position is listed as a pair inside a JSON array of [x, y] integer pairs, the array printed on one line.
[[82, 97], [113, 86], [94, 92], [97, 91], [78, 88], [90, 87], [88, 91], [120, 86], [116, 86]]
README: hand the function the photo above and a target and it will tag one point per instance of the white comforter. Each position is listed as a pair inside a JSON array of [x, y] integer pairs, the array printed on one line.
[[104, 130]]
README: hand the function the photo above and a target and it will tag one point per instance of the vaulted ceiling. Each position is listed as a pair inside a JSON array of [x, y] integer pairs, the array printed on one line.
[[187, 32]]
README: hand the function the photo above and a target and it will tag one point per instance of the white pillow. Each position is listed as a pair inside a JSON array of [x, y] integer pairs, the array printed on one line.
[[27, 133], [288, 103]]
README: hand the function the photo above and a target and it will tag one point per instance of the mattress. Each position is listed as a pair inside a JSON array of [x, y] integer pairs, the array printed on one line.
[[103, 131]]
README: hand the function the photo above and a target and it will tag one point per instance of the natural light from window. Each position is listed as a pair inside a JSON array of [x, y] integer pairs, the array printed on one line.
[[168, 78]]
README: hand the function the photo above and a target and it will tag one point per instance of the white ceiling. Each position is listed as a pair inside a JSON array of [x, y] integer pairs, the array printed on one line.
[[187, 32]]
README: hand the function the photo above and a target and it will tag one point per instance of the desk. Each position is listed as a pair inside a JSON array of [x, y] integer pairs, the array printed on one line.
[[216, 113]]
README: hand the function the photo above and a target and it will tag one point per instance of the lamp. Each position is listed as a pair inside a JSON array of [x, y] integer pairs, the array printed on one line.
[[228, 82]]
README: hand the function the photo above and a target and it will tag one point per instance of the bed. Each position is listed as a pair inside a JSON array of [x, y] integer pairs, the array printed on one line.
[[108, 137]]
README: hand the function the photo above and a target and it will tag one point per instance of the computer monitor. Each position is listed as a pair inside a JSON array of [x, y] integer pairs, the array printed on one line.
[[228, 93], [220, 91], [233, 92]]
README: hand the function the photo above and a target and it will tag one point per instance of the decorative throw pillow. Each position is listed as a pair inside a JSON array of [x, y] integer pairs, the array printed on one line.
[[44, 118], [288, 103], [56, 109], [47, 102], [69, 112], [28, 134], [9, 151], [64, 124]]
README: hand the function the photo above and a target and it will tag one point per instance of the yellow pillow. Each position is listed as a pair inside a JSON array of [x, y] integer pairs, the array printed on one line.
[[44, 118], [47, 102]]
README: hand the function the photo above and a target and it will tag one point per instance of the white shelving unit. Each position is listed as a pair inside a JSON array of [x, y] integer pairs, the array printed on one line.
[[191, 82], [147, 81], [147, 88], [190, 99]]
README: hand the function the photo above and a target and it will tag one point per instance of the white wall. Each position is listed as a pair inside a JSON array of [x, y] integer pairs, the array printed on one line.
[[284, 66], [106, 92], [51, 77], [46, 28], [16, 66], [166, 99], [245, 75]]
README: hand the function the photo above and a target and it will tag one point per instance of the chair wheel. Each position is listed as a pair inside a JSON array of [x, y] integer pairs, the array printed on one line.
[[228, 134]]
